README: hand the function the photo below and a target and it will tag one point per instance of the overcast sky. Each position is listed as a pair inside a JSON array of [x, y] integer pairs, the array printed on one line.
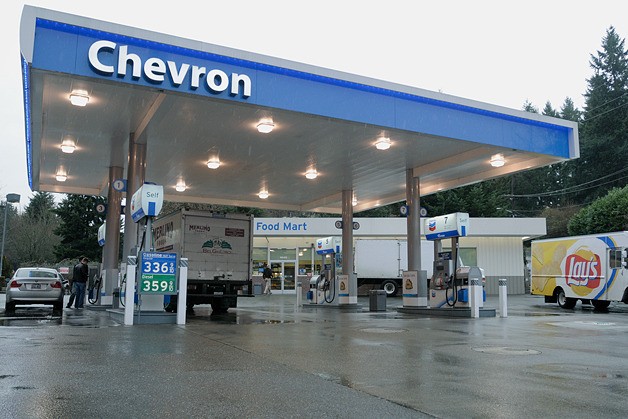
[[499, 52]]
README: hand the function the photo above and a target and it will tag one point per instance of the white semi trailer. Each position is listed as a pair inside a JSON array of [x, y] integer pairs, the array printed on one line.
[[380, 263]]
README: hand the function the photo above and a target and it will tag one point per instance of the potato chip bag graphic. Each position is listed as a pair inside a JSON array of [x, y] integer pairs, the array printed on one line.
[[582, 269], [546, 265]]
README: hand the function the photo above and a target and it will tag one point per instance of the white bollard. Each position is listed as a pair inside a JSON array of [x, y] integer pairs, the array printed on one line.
[[474, 284], [182, 296], [299, 294], [503, 298], [129, 293]]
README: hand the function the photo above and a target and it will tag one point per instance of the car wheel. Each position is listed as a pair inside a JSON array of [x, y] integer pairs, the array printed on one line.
[[563, 301], [600, 305], [9, 307], [58, 306], [390, 287]]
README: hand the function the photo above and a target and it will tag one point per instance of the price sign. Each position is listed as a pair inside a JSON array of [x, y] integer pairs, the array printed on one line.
[[158, 274]]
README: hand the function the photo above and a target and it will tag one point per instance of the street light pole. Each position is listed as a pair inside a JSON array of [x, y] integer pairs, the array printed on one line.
[[11, 199]]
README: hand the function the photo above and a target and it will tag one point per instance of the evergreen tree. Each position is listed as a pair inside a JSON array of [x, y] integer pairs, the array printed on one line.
[[35, 241], [569, 111], [78, 228], [41, 206], [604, 136], [550, 111]]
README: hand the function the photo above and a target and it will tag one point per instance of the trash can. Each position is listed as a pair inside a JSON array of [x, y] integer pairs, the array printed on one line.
[[257, 289], [116, 298], [377, 300]]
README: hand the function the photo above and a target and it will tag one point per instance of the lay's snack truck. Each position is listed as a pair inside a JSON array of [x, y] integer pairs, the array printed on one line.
[[590, 268]]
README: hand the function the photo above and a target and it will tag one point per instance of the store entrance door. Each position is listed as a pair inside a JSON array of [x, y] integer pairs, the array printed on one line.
[[284, 276]]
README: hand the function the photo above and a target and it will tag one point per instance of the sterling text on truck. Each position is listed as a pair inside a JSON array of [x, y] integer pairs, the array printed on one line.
[[219, 251], [588, 268]]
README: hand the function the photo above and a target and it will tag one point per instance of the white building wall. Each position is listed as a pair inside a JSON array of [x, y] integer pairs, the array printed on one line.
[[499, 241], [501, 258]]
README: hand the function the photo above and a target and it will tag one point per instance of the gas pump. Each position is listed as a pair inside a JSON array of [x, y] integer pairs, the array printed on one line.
[[324, 287], [449, 286], [146, 204]]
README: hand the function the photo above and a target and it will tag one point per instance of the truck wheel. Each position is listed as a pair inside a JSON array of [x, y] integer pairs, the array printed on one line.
[[218, 308], [390, 287], [600, 305], [564, 302]]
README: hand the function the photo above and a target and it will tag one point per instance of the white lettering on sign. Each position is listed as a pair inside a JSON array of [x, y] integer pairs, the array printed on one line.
[[155, 70]]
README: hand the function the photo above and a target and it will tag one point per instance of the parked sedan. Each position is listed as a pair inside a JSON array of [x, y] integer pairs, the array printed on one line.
[[35, 286]]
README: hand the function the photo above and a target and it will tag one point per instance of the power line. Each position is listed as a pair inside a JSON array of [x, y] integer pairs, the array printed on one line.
[[605, 112], [606, 103], [573, 189]]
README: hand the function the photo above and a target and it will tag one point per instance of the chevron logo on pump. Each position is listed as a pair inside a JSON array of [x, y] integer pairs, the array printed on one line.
[[431, 225]]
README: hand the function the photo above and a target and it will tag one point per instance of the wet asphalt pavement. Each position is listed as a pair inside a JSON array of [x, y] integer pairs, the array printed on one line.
[[269, 358]]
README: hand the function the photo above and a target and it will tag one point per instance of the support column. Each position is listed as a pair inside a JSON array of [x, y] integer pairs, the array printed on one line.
[[413, 221], [347, 245], [136, 173], [112, 234]]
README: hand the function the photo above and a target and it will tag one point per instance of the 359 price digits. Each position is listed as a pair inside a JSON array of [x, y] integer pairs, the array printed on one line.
[[157, 286]]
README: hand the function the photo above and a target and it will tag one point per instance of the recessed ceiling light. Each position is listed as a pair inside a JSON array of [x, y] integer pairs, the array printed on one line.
[[354, 202], [263, 194], [79, 98], [311, 174], [497, 160], [181, 186], [383, 143], [213, 163], [68, 145], [265, 126], [61, 177]]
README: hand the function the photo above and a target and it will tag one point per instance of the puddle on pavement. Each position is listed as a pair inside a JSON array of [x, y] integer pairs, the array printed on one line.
[[383, 330], [30, 319], [505, 350]]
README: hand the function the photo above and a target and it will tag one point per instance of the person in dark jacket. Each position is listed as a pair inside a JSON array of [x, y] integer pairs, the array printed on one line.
[[79, 279], [267, 275]]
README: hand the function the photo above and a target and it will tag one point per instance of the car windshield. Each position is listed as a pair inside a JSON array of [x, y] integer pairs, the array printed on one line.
[[34, 273]]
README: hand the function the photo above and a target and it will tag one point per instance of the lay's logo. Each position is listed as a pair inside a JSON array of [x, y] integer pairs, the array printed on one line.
[[583, 269], [431, 225]]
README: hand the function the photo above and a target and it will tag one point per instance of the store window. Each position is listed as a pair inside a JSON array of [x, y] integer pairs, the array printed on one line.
[[283, 254], [468, 255], [260, 256], [305, 260]]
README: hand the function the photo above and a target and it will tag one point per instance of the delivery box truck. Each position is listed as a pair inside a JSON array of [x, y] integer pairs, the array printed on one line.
[[590, 268], [219, 250]]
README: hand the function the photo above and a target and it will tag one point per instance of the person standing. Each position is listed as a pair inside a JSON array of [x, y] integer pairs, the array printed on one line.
[[79, 278], [267, 275], [72, 290]]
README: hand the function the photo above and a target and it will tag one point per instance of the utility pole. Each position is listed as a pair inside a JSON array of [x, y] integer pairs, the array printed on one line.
[[12, 198]]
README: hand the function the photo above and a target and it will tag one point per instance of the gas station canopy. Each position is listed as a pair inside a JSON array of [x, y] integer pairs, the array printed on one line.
[[194, 103]]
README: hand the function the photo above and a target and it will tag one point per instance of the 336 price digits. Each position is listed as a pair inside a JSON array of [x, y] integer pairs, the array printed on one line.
[[159, 268]]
